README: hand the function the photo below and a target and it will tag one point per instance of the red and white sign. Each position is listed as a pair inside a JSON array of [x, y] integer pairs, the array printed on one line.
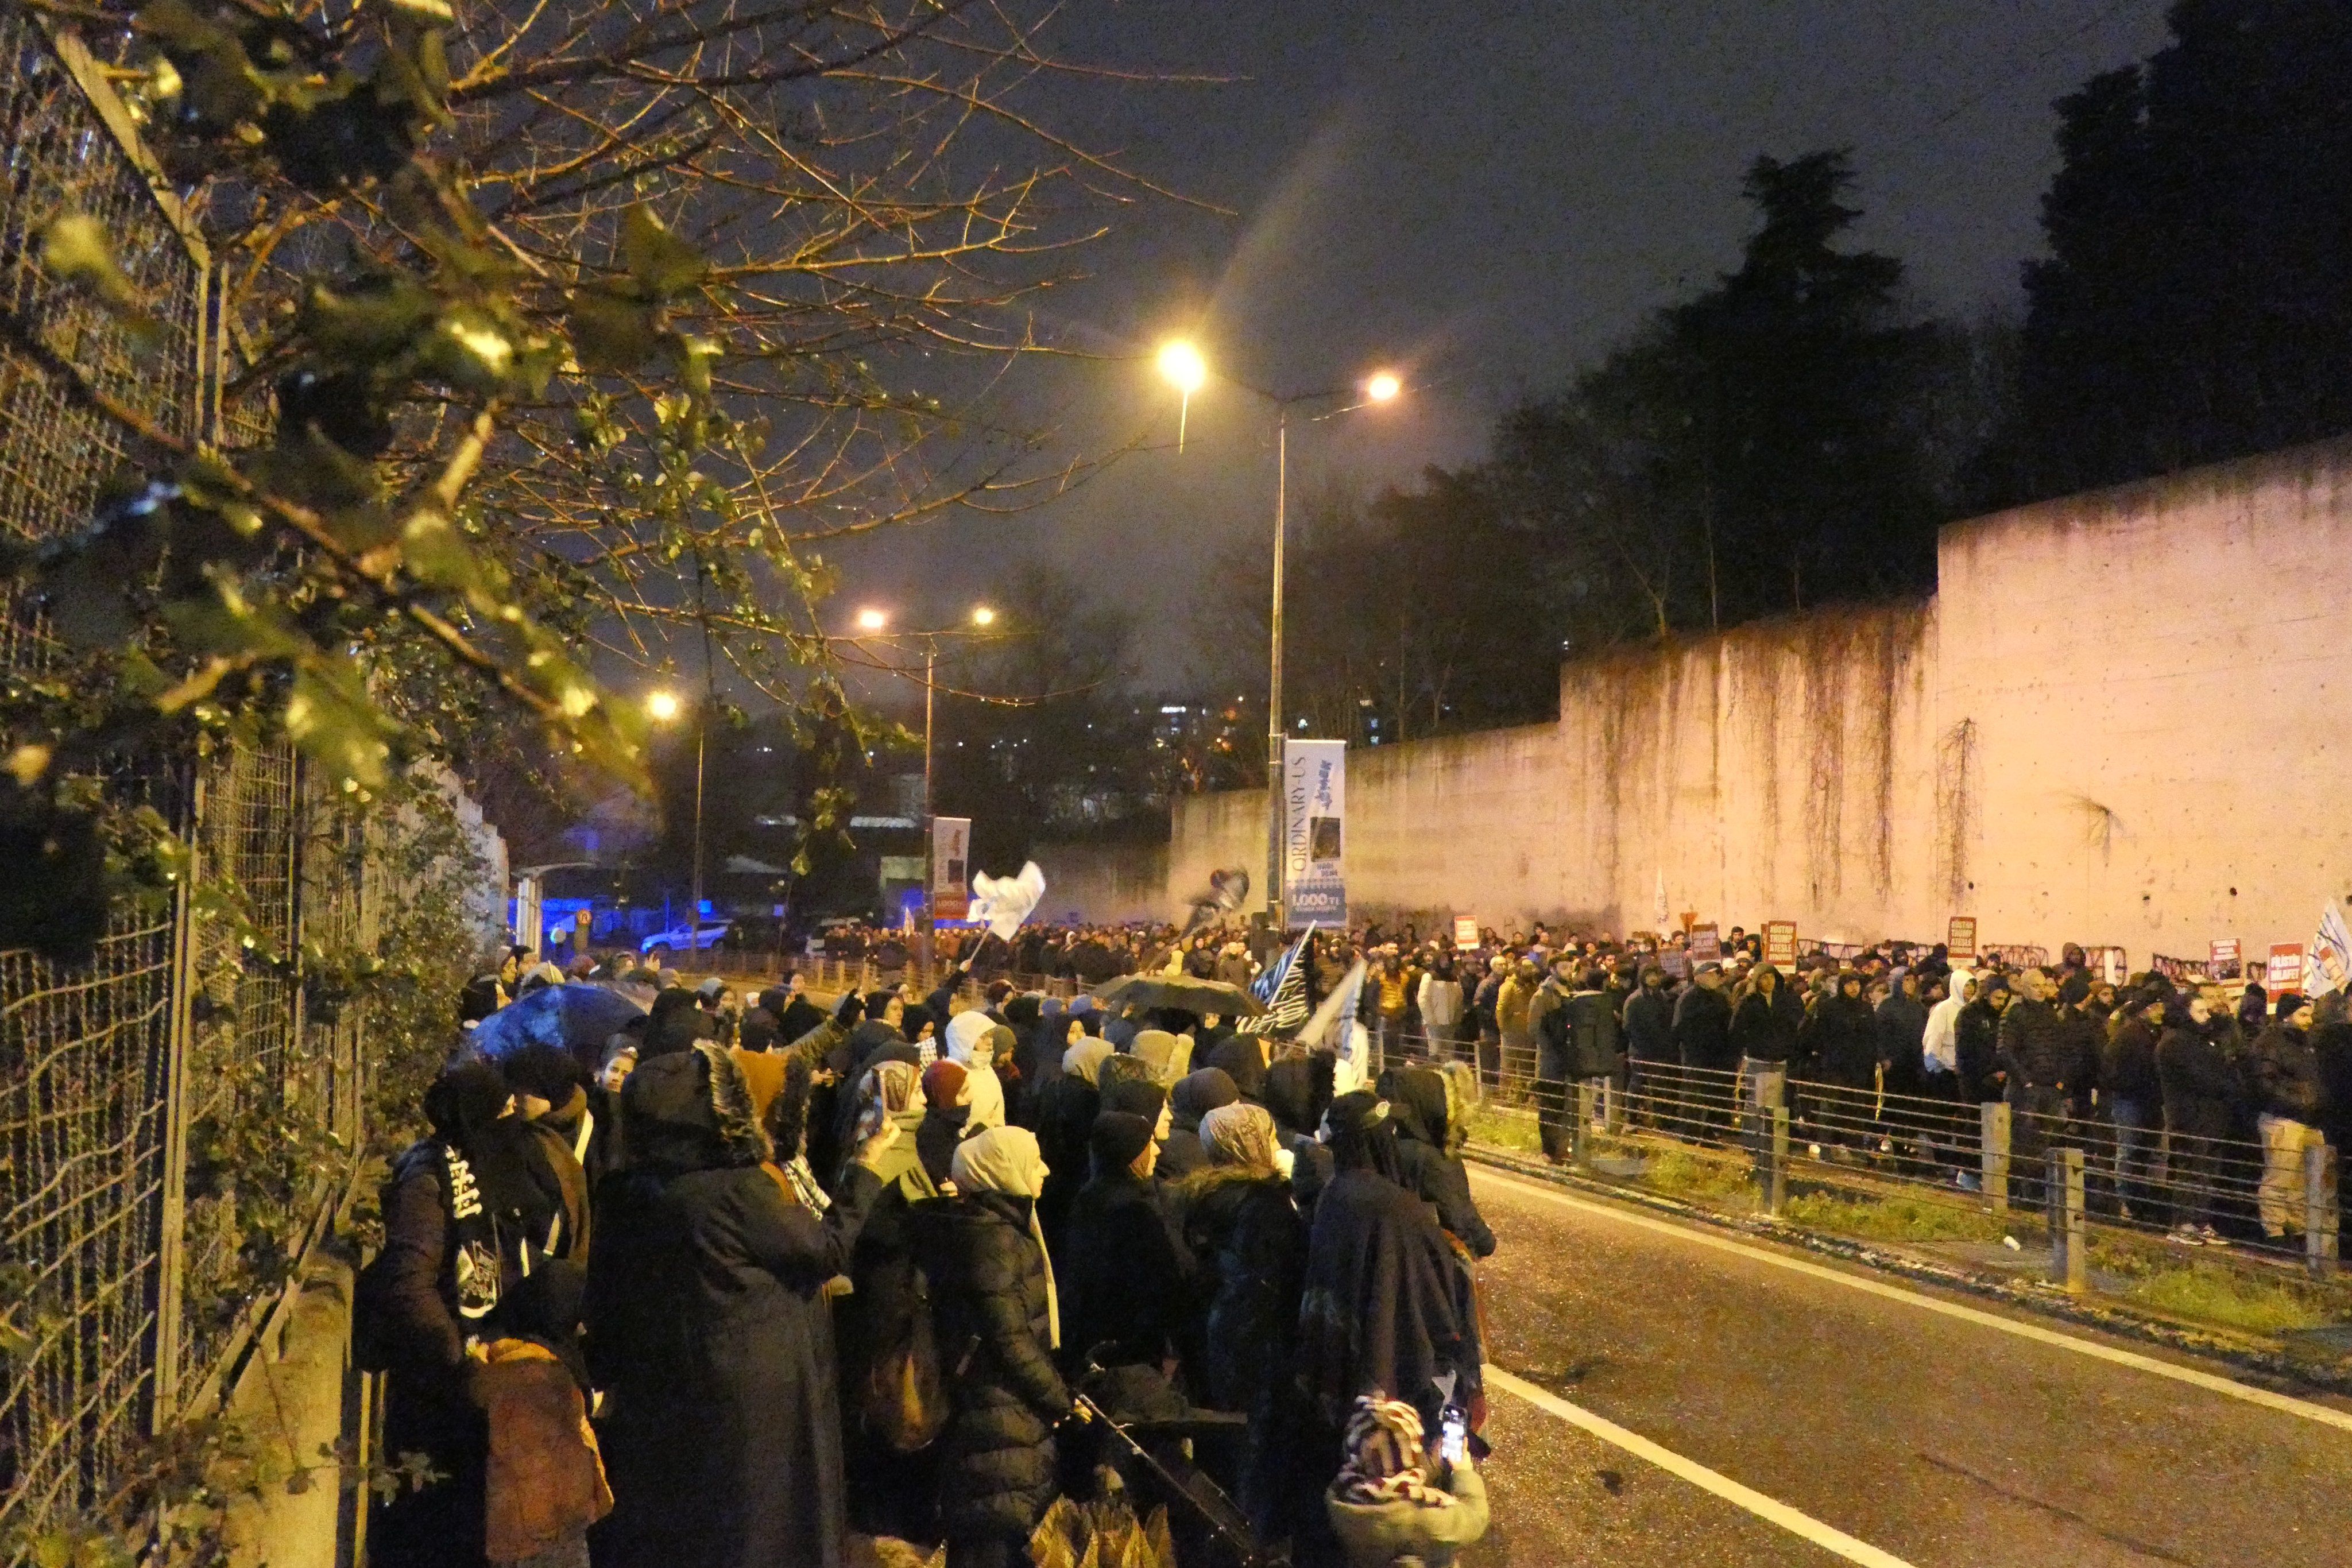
[[1780, 942], [2286, 971], [1960, 939], [1706, 944], [1465, 931], [2223, 960]]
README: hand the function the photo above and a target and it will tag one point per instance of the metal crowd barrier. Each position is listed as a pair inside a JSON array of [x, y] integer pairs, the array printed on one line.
[[2079, 1166]]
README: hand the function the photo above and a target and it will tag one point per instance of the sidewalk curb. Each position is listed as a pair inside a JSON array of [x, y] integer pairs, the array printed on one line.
[[2263, 1361]]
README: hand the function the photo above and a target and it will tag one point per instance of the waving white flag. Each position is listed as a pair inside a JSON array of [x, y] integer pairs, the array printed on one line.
[[1003, 903]]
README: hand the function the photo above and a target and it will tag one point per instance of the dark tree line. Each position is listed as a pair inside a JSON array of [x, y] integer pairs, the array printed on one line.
[[1796, 432]]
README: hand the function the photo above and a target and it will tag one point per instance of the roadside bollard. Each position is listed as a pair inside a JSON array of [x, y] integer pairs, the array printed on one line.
[[2070, 1260], [1994, 1155], [2320, 1215], [1776, 1185], [1580, 1146]]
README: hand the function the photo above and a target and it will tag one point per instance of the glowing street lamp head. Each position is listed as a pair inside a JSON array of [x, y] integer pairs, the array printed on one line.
[[981, 615], [662, 706], [1383, 387], [1182, 365], [872, 620]]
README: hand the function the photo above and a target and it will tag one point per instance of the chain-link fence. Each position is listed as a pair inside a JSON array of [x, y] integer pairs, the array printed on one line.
[[133, 1086]]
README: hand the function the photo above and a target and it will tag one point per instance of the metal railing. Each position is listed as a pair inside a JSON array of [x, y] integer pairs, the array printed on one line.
[[124, 1294], [2275, 1204]]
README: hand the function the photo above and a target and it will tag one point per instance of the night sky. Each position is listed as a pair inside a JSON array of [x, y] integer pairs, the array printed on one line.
[[1484, 196]]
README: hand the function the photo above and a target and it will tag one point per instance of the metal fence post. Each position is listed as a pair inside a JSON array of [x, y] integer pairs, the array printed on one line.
[[1994, 1154], [2320, 1215], [1580, 1142], [1775, 1188], [2070, 1263]]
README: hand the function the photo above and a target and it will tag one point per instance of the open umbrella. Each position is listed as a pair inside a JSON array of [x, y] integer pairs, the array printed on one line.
[[1180, 991], [577, 1017]]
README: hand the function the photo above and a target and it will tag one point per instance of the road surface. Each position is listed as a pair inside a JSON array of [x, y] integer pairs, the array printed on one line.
[[1852, 1421]]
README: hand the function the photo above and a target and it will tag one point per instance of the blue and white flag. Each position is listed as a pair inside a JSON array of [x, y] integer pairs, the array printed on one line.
[[1281, 987]]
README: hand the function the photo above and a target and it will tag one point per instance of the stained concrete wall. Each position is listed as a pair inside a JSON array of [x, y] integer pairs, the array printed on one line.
[[2123, 718], [1106, 883]]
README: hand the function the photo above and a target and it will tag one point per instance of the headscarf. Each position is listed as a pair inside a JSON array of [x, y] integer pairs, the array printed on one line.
[[943, 1083], [1136, 1097], [1385, 1460], [1117, 1138], [1357, 1130], [1240, 1134], [1169, 1055], [888, 1090], [1298, 1091], [465, 1107], [1197, 1093], [675, 1025], [1005, 1160], [1084, 1060], [985, 1091]]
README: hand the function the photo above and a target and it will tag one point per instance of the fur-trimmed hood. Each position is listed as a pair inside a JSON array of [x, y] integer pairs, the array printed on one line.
[[691, 1110]]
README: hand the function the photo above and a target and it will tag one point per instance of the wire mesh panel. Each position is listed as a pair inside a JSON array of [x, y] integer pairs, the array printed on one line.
[[85, 1050]]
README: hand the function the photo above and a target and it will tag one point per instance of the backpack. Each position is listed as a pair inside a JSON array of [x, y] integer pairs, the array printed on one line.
[[905, 1401]]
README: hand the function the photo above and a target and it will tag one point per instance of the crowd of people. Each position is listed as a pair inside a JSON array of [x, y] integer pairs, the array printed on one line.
[[2184, 1091], [773, 1274]]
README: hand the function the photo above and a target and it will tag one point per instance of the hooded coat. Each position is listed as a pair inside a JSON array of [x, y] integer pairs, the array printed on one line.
[[1195, 1095], [1386, 1306], [1765, 1028], [1424, 1115], [1125, 1275], [995, 1332], [1840, 1039], [710, 1330]]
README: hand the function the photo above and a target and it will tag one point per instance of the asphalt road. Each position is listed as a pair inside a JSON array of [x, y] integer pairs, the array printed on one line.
[[1931, 1439]]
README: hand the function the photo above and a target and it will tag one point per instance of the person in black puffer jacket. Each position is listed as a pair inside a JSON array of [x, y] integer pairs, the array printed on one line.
[[998, 1326], [1420, 1110], [2036, 1054], [2199, 1076]]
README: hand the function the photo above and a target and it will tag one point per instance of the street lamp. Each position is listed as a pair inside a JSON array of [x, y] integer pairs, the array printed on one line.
[[663, 706], [871, 620], [1184, 367]]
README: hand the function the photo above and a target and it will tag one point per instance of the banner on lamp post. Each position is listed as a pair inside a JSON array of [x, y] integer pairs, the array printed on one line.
[[951, 849], [1314, 805]]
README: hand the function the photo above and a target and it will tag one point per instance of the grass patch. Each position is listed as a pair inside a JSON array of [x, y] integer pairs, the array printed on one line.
[[1693, 1177], [1892, 1219], [2215, 1293], [1505, 1129]]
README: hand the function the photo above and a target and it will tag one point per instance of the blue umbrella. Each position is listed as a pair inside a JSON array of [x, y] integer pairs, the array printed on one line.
[[574, 1017]]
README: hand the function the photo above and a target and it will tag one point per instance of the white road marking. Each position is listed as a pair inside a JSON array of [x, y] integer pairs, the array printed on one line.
[[1805, 1525], [2286, 1403]]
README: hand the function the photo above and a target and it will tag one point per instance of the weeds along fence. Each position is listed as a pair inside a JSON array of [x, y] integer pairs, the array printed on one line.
[[173, 1127], [1986, 1169]]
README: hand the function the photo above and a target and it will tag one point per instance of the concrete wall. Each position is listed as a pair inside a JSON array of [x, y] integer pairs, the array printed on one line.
[[2124, 718], [1104, 884]]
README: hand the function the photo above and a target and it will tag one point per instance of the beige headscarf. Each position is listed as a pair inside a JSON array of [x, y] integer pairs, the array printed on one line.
[[1170, 1056], [1007, 1160], [1240, 1134]]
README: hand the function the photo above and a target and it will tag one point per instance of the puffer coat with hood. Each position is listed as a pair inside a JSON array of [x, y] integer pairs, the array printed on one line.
[[1429, 1116]]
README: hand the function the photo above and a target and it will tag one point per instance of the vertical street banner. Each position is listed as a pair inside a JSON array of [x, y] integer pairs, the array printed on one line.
[[951, 849], [2331, 953], [1314, 806], [1780, 942], [2285, 972], [2221, 959], [1960, 939]]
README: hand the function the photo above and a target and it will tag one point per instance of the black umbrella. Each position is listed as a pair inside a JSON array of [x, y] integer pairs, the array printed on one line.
[[577, 1017], [1179, 991]]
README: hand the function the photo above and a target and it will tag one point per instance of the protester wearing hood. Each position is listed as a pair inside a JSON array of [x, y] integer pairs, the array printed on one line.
[[994, 1289], [795, 1015], [1765, 1022], [1386, 1307], [673, 1024], [470, 1211], [2254, 1008], [894, 1491], [2135, 1099], [1125, 1275], [1427, 1117], [1703, 1025], [1394, 1502], [2285, 1074], [1975, 1041], [947, 1119], [1298, 1090], [551, 1101], [708, 1329], [1195, 1095], [1244, 1230], [972, 1046], [1169, 1056], [1649, 1024], [1242, 1059], [1066, 1119]]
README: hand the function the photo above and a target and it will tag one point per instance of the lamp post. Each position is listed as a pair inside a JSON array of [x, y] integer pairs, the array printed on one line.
[[872, 621], [1184, 368], [663, 706]]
